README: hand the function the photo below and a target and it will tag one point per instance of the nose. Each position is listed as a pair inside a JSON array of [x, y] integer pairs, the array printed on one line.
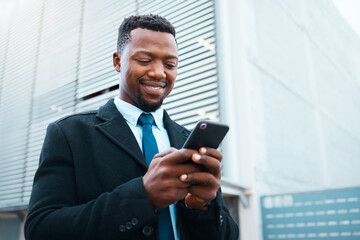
[[157, 71]]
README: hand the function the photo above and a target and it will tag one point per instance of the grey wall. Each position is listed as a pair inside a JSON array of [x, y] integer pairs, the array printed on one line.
[[9, 228], [305, 90], [291, 93]]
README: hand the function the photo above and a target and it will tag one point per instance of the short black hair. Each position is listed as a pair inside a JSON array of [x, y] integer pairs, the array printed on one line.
[[149, 21]]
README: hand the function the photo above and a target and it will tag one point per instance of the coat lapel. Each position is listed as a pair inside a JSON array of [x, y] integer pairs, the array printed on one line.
[[177, 134], [117, 130]]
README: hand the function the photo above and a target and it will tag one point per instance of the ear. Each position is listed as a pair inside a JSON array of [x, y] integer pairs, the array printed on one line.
[[116, 61]]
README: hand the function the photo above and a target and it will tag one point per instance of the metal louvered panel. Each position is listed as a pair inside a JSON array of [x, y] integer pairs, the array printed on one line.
[[101, 21], [70, 70], [47, 108], [16, 92], [195, 95], [6, 10], [54, 94], [95, 102], [58, 51]]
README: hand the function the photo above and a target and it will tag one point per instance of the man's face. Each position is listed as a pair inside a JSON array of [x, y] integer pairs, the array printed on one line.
[[148, 68]]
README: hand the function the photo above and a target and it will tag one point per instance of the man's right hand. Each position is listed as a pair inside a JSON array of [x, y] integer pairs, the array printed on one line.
[[161, 182]]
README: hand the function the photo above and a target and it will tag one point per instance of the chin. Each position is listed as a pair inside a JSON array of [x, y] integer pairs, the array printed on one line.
[[147, 106]]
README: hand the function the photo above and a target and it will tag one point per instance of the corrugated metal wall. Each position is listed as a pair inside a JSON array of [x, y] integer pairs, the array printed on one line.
[[56, 59]]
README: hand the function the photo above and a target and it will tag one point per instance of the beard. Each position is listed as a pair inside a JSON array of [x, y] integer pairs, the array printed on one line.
[[146, 106]]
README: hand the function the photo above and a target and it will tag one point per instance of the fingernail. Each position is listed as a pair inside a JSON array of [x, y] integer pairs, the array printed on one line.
[[183, 177], [196, 157], [202, 150]]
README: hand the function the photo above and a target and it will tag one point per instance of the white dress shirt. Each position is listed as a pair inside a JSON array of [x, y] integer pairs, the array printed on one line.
[[131, 115]]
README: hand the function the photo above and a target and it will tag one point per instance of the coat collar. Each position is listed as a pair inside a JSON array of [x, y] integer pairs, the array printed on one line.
[[177, 134], [117, 130], [114, 127]]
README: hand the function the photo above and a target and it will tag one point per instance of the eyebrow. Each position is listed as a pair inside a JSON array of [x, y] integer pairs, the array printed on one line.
[[152, 55]]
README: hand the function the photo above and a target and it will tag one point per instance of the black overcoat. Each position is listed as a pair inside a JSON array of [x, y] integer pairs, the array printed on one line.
[[89, 185]]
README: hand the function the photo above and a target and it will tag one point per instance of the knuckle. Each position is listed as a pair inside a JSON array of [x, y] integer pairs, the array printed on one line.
[[218, 165], [171, 194], [210, 178], [220, 156], [181, 152], [213, 195], [172, 149], [163, 172]]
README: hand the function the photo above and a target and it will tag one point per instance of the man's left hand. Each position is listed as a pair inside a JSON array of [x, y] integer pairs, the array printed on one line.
[[205, 184]]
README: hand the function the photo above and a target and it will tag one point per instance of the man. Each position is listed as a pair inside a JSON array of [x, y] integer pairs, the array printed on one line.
[[95, 178]]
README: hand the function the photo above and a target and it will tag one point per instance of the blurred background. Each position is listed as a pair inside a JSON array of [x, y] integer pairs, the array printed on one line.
[[285, 75]]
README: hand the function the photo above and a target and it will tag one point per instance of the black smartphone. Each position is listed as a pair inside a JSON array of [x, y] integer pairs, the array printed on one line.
[[206, 134]]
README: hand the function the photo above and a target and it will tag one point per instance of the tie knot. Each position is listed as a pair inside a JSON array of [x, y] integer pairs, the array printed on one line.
[[146, 118]]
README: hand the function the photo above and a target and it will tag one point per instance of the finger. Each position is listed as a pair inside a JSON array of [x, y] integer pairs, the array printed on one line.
[[202, 193], [194, 202], [188, 168], [166, 152], [179, 184], [178, 156], [171, 191], [201, 178], [212, 152], [212, 165]]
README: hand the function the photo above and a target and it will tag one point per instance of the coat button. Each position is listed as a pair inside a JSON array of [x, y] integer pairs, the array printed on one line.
[[147, 230], [128, 225], [134, 221], [122, 228]]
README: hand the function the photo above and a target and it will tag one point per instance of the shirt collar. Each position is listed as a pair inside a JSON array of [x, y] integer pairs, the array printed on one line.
[[132, 113]]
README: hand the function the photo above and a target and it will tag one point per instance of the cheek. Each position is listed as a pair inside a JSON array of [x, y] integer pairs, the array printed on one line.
[[131, 77], [171, 77]]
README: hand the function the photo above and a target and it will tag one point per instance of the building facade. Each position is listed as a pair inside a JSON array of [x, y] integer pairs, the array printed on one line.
[[282, 74]]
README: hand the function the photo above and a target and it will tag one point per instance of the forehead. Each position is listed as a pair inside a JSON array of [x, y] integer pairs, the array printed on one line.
[[148, 40]]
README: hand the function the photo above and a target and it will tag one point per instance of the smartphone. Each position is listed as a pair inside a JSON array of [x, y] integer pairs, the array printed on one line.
[[206, 134]]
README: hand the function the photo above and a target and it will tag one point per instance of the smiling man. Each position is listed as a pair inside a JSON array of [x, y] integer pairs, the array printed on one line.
[[117, 173]]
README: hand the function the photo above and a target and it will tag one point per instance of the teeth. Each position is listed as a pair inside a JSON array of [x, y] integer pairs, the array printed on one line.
[[155, 87]]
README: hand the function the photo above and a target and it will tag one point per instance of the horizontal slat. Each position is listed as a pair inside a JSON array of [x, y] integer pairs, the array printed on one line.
[[13, 164], [193, 78], [96, 102], [195, 105], [13, 153], [191, 122], [6, 189], [200, 110], [192, 99], [102, 74], [197, 67], [162, 8], [195, 87]]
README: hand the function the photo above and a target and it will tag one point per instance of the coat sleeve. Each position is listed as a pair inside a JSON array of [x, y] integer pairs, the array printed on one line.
[[55, 213], [216, 223]]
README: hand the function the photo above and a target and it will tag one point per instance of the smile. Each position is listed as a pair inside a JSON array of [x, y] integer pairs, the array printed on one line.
[[154, 84], [154, 88]]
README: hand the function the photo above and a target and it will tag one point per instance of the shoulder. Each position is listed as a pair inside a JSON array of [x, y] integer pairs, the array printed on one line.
[[76, 120], [171, 124], [78, 116]]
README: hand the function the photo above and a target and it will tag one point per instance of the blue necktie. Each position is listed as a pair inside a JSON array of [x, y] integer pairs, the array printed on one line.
[[150, 148]]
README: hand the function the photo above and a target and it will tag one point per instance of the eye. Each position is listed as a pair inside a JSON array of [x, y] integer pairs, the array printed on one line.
[[171, 65], [143, 60]]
